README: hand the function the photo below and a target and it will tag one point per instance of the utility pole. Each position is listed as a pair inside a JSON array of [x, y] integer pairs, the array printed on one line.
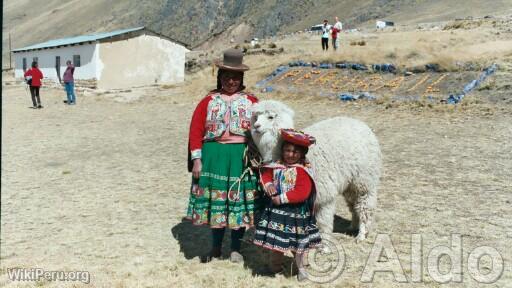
[[10, 53]]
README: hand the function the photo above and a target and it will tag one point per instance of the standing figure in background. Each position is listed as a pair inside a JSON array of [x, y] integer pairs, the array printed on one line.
[[33, 76], [325, 35], [336, 29], [69, 83]]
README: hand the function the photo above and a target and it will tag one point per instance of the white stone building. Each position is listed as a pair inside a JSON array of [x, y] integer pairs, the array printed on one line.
[[113, 60]]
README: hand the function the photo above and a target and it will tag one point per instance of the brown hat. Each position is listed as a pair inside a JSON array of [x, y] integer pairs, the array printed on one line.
[[232, 61]]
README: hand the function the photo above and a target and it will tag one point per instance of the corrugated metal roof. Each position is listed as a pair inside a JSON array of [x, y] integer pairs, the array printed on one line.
[[77, 39]]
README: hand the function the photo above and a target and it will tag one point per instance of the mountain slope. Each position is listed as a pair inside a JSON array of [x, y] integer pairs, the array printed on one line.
[[196, 21]]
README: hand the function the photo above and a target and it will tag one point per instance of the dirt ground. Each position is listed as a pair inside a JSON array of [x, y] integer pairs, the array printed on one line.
[[102, 186]]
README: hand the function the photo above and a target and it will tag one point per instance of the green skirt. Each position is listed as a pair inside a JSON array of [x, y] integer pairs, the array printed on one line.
[[222, 197]]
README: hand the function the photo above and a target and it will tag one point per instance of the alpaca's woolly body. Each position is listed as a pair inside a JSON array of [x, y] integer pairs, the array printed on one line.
[[346, 159]]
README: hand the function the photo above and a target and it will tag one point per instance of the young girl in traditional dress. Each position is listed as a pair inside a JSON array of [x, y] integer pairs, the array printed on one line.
[[288, 222], [223, 196]]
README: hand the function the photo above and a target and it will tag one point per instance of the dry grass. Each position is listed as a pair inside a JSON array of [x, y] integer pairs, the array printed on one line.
[[408, 48]]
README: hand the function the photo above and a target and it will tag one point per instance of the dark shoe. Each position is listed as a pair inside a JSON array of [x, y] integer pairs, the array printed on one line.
[[39, 107], [214, 253]]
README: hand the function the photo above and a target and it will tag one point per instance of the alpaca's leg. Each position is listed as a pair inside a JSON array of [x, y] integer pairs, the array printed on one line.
[[364, 215], [350, 195], [361, 206], [354, 224], [363, 193], [325, 216], [365, 208]]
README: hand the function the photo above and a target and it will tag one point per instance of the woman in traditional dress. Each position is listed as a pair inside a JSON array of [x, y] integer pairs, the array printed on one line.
[[223, 193]]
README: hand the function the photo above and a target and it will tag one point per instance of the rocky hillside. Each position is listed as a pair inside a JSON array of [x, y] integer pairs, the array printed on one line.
[[198, 21]]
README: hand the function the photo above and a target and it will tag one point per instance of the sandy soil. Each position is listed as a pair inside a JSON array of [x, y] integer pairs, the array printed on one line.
[[102, 186]]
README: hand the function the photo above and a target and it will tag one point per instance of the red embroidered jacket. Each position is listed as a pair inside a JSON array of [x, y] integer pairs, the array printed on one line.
[[208, 119], [299, 193]]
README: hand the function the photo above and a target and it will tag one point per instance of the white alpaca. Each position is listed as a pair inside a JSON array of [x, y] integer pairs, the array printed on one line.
[[346, 159]]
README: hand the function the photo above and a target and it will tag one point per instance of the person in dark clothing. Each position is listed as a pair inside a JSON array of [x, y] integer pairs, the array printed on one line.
[[33, 76]]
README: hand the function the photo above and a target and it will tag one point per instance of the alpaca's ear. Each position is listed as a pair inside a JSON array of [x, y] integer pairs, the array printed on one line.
[[255, 109]]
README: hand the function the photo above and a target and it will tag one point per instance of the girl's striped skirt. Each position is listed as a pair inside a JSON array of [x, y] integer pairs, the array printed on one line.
[[288, 227]]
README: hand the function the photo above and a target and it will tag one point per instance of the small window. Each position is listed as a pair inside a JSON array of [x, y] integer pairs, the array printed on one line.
[[57, 66], [76, 60], [24, 64]]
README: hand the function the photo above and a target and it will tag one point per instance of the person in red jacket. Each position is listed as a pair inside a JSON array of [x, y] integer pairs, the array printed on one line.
[[223, 193], [34, 77], [288, 222], [334, 37]]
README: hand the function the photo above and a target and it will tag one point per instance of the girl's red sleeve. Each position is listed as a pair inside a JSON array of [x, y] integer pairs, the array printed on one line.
[[197, 128], [303, 185], [267, 176]]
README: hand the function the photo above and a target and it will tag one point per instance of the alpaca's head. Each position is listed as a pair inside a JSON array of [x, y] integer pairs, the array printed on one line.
[[267, 118]]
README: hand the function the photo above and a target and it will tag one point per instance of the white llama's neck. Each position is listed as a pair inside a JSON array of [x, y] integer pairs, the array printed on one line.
[[269, 146]]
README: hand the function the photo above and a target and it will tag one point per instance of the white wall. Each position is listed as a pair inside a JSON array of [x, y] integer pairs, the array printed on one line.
[[46, 60], [140, 61]]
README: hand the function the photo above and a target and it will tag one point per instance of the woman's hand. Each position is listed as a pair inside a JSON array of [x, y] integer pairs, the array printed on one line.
[[270, 190], [196, 170], [276, 201]]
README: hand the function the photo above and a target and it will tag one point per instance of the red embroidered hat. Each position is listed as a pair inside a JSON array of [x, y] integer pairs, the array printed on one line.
[[297, 137]]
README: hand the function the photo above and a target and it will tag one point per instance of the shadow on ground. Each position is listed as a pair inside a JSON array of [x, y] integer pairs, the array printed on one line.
[[195, 241], [342, 225]]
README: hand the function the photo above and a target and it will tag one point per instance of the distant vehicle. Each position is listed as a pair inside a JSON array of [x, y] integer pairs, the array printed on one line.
[[254, 41], [316, 27], [384, 24]]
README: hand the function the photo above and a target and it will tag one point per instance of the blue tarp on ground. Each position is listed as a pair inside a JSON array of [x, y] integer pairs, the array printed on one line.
[[452, 99], [384, 68], [355, 66], [456, 98], [353, 97], [279, 70]]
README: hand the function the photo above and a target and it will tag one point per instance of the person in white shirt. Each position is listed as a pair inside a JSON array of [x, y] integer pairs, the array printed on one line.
[[338, 24], [326, 30]]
